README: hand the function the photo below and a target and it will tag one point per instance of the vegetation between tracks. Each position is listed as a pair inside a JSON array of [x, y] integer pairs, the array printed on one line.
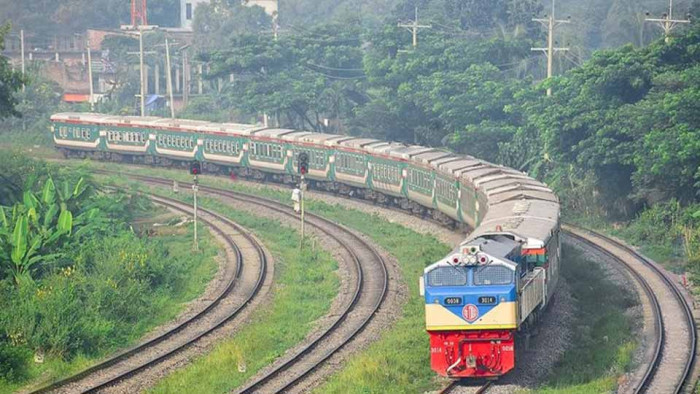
[[304, 287], [603, 341], [399, 359], [105, 284]]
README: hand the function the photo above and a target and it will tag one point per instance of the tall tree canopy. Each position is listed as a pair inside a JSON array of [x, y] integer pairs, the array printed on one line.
[[10, 81]]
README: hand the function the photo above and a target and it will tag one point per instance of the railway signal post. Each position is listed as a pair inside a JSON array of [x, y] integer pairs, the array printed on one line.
[[195, 170], [303, 169]]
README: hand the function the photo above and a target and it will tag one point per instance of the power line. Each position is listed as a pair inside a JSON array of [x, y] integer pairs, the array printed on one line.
[[333, 76], [334, 68]]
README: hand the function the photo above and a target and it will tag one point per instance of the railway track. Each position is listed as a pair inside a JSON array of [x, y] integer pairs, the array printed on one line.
[[672, 353], [454, 384], [242, 282], [370, 290]]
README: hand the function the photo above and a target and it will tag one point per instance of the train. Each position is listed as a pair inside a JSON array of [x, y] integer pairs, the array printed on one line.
[[478, 298]]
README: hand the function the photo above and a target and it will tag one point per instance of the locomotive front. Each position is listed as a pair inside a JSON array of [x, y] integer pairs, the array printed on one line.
[[471, 308]]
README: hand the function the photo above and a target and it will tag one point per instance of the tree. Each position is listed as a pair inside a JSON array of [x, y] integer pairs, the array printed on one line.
[[30, 230], [10, 81], [297, 79]]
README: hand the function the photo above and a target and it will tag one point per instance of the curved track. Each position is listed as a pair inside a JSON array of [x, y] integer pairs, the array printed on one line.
[[243, 281], [673, 351], [370, 290]]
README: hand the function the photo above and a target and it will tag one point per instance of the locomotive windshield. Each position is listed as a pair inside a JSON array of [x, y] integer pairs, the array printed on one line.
[[447, 276], [493, 275]]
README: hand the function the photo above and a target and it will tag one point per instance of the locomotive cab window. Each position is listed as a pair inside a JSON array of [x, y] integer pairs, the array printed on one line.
[[447, 276], [493, 275]]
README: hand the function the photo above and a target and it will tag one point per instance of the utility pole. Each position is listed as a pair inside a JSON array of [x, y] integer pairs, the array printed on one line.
[[169, 78], [413, 27], [551, 23], [92, 92], [21, 45], [143, 87], [667, 23], [141, 53], [185, 79]]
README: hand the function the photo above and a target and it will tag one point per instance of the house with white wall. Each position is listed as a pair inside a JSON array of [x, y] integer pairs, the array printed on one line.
[[187, 8]]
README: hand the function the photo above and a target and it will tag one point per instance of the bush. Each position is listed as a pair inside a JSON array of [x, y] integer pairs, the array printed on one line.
[[14, 361]]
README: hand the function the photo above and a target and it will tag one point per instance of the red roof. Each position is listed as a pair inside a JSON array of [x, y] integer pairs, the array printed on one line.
[[76, 98]]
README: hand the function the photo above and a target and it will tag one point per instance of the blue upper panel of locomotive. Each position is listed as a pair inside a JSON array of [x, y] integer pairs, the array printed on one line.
[[475, 286]]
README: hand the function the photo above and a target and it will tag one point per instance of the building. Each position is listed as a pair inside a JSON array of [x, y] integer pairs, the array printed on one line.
[[187, 9]]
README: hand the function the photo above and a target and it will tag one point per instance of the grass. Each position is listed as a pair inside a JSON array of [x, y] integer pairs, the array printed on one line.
[[304, 287], [165, 305], [399, 358], [603, 341]]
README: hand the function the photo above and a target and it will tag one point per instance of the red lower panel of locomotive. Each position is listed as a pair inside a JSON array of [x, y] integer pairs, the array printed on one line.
[[472, 354]]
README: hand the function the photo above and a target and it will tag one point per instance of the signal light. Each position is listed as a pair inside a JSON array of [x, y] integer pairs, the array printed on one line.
[[195, 168], [303, 163]]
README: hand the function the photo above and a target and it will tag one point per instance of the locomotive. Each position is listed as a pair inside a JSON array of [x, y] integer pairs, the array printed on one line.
[[477, 298]]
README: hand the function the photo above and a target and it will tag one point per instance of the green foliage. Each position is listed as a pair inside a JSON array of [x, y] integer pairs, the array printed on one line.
[[10, 81], [298, 80], [75, 280], [602, 338], [32, 230], [13, 362]]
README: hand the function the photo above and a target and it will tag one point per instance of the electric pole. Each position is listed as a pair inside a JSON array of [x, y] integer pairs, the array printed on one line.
[[169, 78], [551, 23], [92, 92], [143, 87], [413, 27], [139, 22], [21, 45], [667, 23]]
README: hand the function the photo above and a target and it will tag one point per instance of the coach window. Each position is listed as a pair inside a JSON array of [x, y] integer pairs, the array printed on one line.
[[447, 276], [493, 275]]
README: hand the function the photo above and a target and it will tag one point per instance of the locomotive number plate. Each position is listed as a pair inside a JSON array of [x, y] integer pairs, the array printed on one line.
[[453, 300], [487, 300]]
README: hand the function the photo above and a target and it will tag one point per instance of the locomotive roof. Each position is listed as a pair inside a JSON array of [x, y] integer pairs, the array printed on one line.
[[498, 246]]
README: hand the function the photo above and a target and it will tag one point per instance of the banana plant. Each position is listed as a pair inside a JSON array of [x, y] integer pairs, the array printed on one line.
[[37, 224]]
